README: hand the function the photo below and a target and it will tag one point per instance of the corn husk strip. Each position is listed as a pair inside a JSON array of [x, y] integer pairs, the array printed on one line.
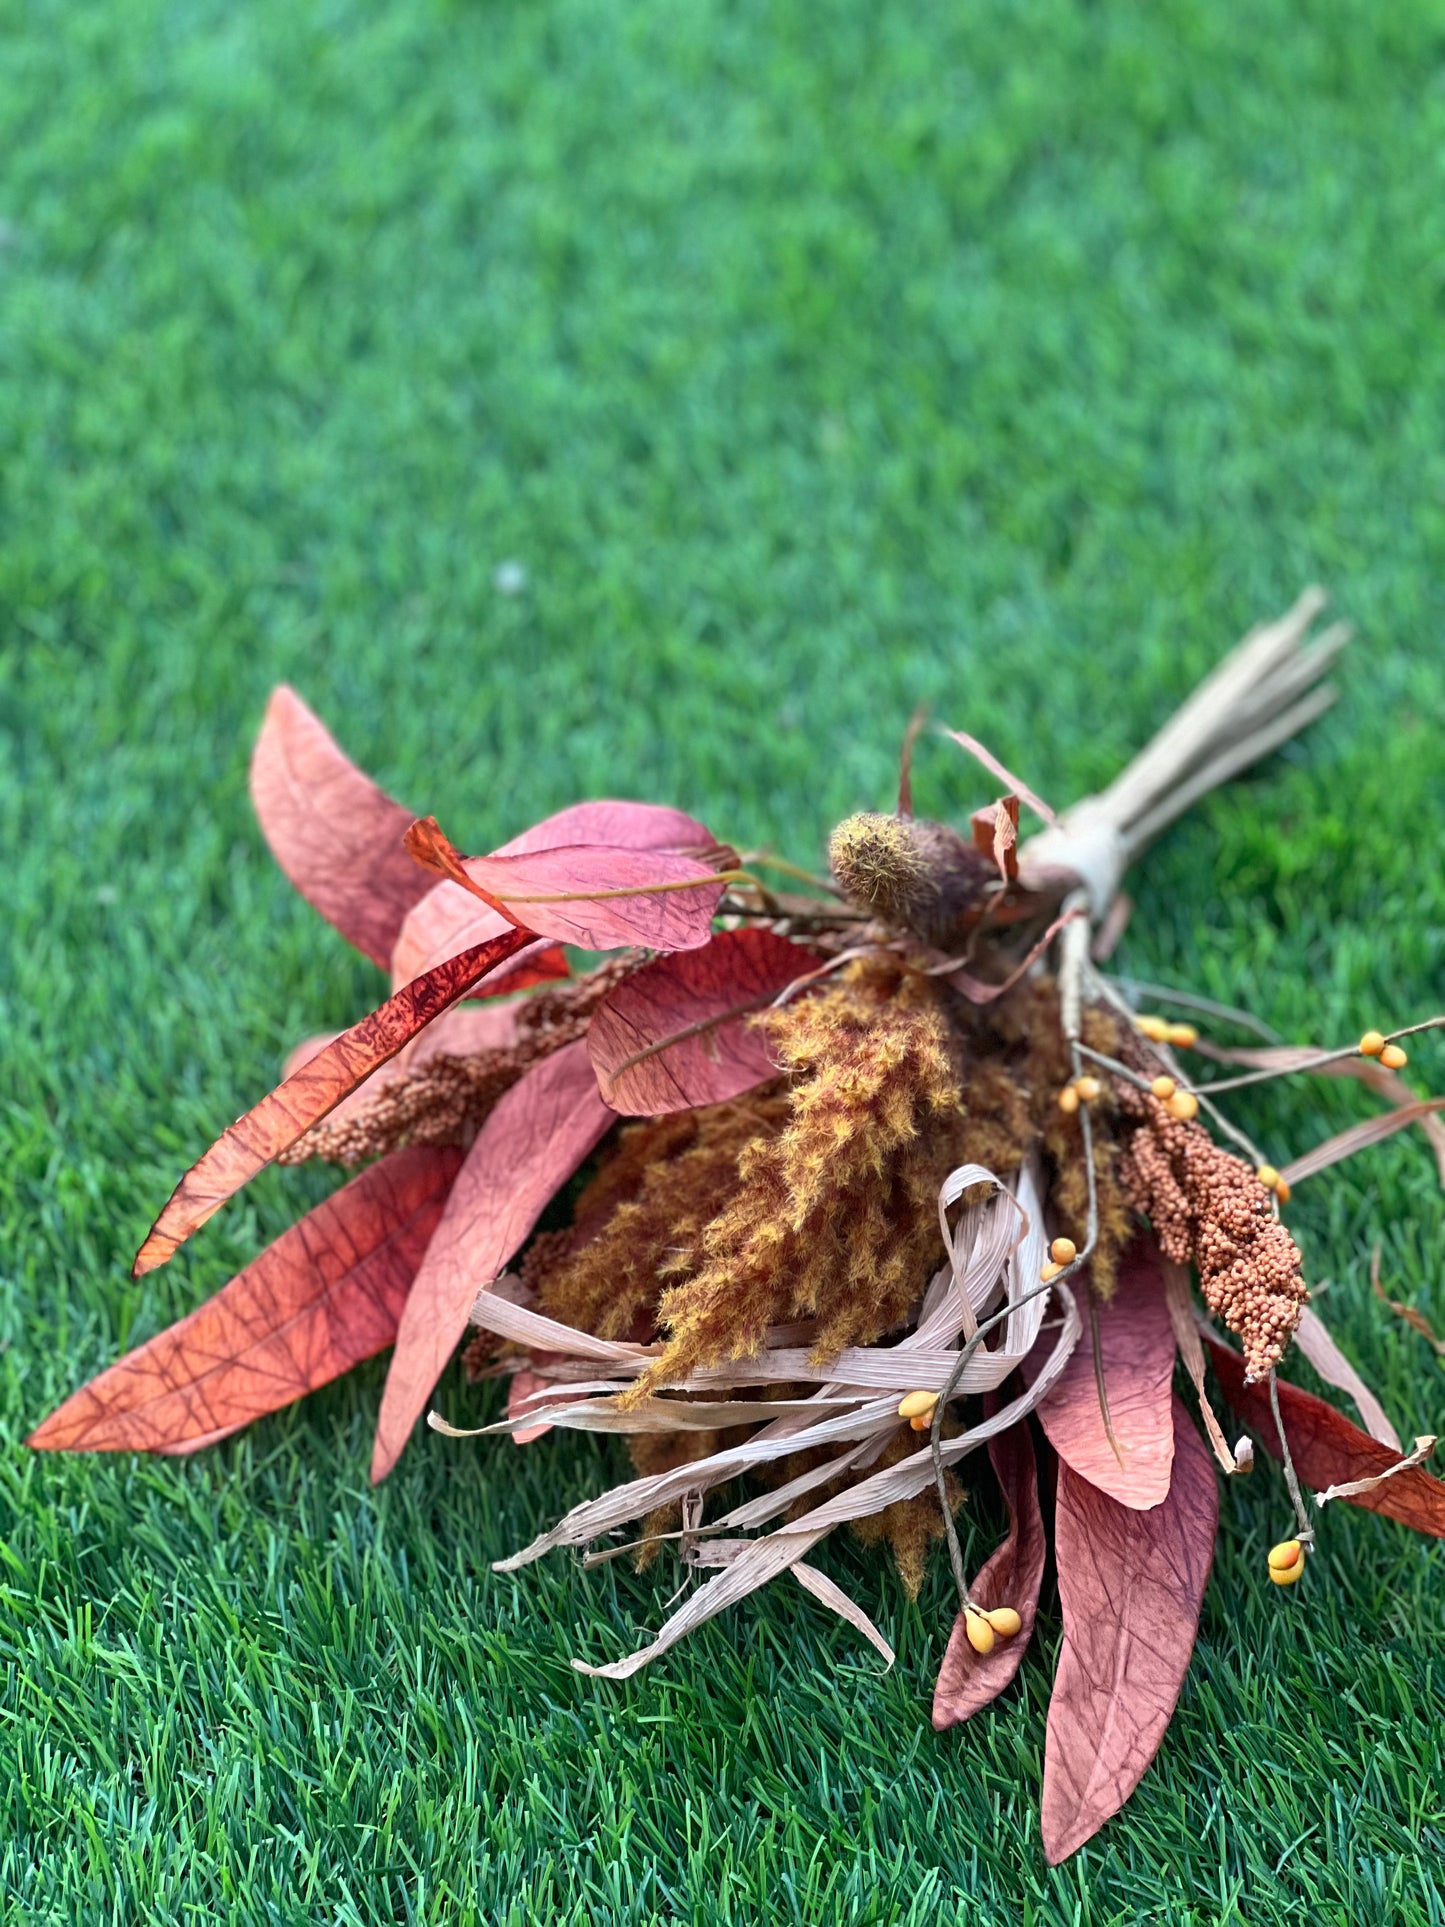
[[1359, 1137], [1314, 1340], [1423, 1447], [652, 1415], [1367, 1070], [722, 1552], [1180, 1300], [985, 1244], [763, 1559]]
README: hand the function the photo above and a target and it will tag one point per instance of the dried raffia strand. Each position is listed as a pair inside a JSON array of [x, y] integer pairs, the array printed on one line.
[[1207, 1206]]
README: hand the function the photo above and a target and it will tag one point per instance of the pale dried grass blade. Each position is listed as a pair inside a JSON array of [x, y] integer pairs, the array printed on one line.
[[1423, 1447], [1416, 1320], [838, 1601], [1359, 1137], [1314, 1340], [1365, 1070], [1180, 1301]]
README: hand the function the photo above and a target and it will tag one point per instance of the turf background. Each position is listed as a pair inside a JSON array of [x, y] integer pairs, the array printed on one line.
[[813, 361]]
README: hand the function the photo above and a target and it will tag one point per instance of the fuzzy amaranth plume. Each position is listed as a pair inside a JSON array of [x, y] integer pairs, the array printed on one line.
[[834, 1218]]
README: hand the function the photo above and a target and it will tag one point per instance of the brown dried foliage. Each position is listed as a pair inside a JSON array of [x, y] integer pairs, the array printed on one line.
[[1207, 1206], [641, 1220]]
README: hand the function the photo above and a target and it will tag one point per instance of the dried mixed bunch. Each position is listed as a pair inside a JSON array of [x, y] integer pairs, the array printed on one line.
[[846, 1144]]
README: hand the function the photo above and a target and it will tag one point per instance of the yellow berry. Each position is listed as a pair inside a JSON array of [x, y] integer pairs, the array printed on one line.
[[979, 1633], [1184, 1035], [1286, 1555], [1063, 1251], [917, 1405], [1371, 1044], [1068, 1100], [1163, 1087], [1282, 1192], [1088, 1088], [1184, 1105], [1289, 1575], [921, 1423], [1268, 1177], [1393, 1058], [1049, 1273], [1004, 1620], [1154, 1028]]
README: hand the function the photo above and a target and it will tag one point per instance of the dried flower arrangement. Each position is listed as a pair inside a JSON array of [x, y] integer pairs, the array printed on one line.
[[879, 1125]]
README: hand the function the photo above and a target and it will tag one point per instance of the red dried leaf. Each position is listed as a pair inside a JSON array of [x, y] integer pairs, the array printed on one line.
[[1130, 1586], [1136, 1339], [675, 1034], [326, 1295], [335, 834], [969, 1681], [248, 1145], [532, 1142], [598, 896], [1327, 1449]]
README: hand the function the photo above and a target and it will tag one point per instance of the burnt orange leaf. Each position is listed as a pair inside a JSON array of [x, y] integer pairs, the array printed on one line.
[[675, 1034], [1327, 1449], [309, 1093], [1136, 1341], [335, 834], [523, 1385], [449, 919], [969, 1681], [326, 1295], [532, 1142], [598, 896], [1130, 1587]]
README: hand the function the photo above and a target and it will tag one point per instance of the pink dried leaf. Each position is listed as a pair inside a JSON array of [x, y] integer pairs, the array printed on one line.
[[534, 1139], [676, 1034], [449, 918], [308, 1094], [597, 896], [327, 1294], [1131, 1585], [334, 833], [1011, 1576], [1136, 1340]]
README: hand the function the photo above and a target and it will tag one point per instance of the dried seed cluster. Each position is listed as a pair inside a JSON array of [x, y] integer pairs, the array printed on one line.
[[1207, 1206]]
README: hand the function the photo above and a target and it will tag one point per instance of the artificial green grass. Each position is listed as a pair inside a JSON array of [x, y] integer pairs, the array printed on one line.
[[813, 361]]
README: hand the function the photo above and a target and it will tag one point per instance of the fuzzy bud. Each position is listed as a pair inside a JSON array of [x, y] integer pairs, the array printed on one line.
[[916, 875]]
